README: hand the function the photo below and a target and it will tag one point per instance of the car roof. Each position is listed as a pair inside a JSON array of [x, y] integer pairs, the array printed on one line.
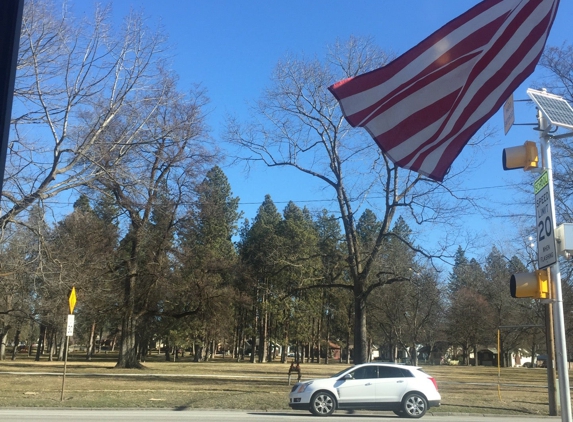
[[396, 365]]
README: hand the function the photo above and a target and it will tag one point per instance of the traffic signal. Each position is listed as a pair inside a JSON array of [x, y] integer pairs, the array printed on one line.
[[523, 157], [533, 285]]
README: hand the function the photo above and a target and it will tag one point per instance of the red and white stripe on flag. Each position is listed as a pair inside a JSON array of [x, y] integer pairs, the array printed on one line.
[[423, 107]]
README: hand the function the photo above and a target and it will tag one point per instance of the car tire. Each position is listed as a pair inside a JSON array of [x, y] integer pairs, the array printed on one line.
[[414, 405], [322, 404]]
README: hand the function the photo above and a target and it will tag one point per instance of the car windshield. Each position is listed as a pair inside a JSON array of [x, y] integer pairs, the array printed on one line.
[[341, 372]]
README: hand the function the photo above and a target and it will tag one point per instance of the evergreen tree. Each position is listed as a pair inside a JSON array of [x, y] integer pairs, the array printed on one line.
[[470, 321], [505, 309], [404, 315], [83, 248], [208, 261], [465, 274], [259, 250]]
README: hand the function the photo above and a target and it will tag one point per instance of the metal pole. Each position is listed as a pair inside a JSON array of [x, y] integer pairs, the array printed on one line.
[[559, 320], [65, 365], [551, 373]]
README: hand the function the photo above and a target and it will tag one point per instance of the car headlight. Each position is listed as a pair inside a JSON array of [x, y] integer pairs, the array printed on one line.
[[302, 387]]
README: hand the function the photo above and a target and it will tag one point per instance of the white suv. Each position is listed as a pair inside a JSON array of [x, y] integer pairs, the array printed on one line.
[[406, 390]]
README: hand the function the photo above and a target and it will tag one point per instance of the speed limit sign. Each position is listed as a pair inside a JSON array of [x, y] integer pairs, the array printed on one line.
[[546, 248]]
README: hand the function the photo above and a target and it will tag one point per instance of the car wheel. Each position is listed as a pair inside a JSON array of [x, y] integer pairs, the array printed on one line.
[[322, 404], [414, 405]]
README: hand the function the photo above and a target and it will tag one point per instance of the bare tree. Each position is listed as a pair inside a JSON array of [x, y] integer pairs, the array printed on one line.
[[152, 184], [75, 78], [96, 106], [298, 124]]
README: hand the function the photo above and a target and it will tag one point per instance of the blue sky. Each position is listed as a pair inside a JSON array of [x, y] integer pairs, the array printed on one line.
[[232, 46]]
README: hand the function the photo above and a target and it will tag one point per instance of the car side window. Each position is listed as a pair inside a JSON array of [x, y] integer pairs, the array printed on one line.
[[366, 372], [391, 372], [406, 373]]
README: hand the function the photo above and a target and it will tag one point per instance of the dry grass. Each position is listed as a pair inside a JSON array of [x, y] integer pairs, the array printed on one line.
[[232, 385]]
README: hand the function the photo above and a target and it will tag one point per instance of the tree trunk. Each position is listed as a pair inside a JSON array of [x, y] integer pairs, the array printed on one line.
[[143, 350], [45, 340], [369, 350], [16, 343], [311, 340], [100, 339], [52, 345], [533, 351], [113, 342], [91, 342], [264, 341], [360, 333], [127, 349], [167, 355], [243, 346], [285, 339], [62, 345], [237, 337], [235, 340], [327, 340], [414, 355], [3, 340], [317, 339], [198, 351], [255, 330], [253, 348], [348, 346], [40, 345]]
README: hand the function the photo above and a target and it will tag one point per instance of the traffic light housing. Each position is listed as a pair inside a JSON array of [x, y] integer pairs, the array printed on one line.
[[523, 157], [533, 285]]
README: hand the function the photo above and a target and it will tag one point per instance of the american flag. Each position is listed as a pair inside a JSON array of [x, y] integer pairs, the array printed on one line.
[[423, 107]]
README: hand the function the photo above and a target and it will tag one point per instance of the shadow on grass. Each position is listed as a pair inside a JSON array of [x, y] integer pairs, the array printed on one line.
[[490, 408], [338, 413], [54, 365]]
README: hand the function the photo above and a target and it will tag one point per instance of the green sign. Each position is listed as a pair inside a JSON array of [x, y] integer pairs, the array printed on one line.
[[541, 182]]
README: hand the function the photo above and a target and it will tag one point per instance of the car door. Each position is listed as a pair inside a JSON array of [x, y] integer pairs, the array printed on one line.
[[392, 383], [358, 386]]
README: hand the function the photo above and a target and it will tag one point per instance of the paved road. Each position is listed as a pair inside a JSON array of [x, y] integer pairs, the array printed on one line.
[[151, 415]]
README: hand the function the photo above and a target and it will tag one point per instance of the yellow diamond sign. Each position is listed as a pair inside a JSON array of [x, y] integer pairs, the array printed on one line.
[[72, 300]]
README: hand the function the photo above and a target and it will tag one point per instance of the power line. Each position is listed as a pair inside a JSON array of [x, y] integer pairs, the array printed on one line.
[[306, 201]]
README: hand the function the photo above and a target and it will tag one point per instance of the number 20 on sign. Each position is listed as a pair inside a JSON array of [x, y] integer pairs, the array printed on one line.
[[546, 248]]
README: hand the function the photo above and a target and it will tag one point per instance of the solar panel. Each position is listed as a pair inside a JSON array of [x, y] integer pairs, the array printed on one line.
[[555, 108]]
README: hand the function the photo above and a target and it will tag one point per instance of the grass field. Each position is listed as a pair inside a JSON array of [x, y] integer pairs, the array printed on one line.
[[227, 384]]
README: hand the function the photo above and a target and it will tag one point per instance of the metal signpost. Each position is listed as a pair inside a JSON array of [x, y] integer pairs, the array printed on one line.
[[69, 333], [553, 111]]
